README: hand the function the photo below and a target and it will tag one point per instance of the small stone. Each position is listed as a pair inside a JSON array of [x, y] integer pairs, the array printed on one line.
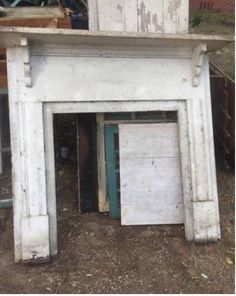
[[48, 289]]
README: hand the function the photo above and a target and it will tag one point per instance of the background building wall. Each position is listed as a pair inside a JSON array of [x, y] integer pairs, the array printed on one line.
[[221, 5]]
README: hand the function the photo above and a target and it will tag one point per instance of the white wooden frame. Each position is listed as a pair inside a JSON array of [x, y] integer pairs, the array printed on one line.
[[185, 129], [197, 156], [32, 108]]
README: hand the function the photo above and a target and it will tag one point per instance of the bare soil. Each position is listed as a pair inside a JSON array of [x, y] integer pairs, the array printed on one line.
[[98, 255]]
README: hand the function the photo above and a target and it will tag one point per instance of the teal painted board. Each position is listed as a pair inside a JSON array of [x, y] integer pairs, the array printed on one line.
[[113, 169], [6, 204]]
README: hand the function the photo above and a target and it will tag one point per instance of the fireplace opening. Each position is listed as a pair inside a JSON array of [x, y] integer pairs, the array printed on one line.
[[75, 162]]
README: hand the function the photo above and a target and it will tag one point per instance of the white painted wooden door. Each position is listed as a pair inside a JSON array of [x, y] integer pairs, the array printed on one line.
[[151, 191]]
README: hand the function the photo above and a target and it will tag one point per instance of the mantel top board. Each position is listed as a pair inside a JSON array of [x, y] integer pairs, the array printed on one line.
[[11, 36]]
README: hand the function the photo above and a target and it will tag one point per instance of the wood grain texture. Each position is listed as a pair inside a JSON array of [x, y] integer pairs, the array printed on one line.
[[102, 182], [50, 178], [154, 16], [113, 79], [151, 190], [18, 13]]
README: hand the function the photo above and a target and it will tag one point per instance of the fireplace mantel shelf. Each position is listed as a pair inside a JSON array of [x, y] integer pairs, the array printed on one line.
[[11, 36]]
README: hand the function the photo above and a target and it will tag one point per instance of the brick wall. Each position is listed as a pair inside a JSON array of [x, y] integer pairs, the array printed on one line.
[[220, 5]]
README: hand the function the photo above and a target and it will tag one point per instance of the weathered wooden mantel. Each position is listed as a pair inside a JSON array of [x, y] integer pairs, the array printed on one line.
[[66, 71]]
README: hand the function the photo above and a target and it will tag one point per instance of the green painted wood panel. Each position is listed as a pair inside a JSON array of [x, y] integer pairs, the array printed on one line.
[[6, 204], [113, 169]]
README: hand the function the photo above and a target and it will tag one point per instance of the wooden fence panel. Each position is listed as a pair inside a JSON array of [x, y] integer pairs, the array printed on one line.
[[223, 109]]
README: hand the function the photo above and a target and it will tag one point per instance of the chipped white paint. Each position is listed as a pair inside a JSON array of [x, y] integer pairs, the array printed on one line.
[[26, 61], [154, 16], [197, 62], [204, 213], [104, 73], [128, 71], [35, 238], [59, 38], [151, 190]]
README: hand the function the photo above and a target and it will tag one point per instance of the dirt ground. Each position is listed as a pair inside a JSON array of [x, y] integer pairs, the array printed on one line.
[[98, 255]]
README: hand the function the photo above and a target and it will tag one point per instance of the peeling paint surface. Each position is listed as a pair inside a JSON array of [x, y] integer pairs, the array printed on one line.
[[158, 27], [172, 8], [145, 17], [154, 16], [120, 8]]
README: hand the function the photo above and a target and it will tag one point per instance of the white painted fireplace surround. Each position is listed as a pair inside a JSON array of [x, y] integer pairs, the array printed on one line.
[[63, 71]]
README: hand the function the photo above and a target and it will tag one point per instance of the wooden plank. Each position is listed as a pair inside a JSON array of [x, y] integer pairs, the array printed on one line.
[[110, 132], [164, 170], [151, 191], [6, 204], [14, 69], [155, 16], [93, 15], [185, 170], [3, 52], [176, 16], [111, 15], [78, 163], [50, 177], [11, 36], [140, 87], [3, 82], [102, 182], [3, 73], [169, 11], [38, 23], [7, 149], [182, 17], [16, 13], [150, 16], [3, 67], [131, 17], [223, 108], [151, 214]]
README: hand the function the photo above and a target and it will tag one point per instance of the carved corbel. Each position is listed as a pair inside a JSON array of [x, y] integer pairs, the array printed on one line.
[[197, 62], [26, 61]]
